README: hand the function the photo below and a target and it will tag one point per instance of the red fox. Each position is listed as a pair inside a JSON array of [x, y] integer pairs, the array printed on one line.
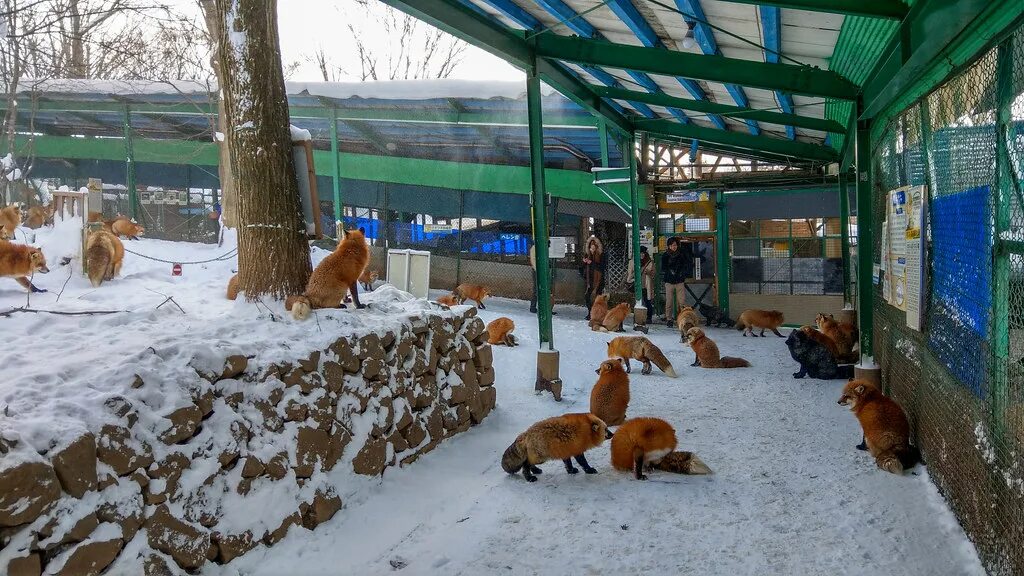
[[39, 216], [10, 219], [642, 349], [499, 331], [830, 344], [682, 463], [763, 319], [19, 262], [448, 300], [640, 443], [885, 426], [558, 438], [615, 317], [104, 255], [122, 226], [333, 277], [686, 319], [610, 396], [706, 351], [844, 334], [233, 287], [473, 292], [367, 278], [598, 310]]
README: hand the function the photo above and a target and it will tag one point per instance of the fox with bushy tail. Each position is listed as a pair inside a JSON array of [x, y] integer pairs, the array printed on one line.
[[562, 438], [333, 277], [642, 349]]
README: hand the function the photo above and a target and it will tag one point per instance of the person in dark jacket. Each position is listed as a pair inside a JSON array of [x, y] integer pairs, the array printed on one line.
[[676, 266], [593, 270]]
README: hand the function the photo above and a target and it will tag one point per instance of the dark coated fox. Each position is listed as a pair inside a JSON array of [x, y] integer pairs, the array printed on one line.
[[814, 358]]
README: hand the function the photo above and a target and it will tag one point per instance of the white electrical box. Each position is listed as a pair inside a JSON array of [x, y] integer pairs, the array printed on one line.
[[409, 270]]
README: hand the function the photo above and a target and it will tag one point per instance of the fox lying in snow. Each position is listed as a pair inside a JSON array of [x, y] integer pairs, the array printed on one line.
[[558, 438]]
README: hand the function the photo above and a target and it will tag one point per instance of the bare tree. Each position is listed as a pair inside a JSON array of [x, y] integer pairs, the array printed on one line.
[[273, 255]]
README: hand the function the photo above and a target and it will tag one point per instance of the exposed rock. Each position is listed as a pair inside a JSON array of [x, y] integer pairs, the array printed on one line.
[[127, 513], [231, 546], [415, 434], [321, 411], [336, 446], [450, 420], [278, 534], [325, 505], [75, 465], [185, 543], [155, 565], [426, 394], [234, 365], [204, 400], [118, 406], [26, 490], [372, 368], [371, 458], [467, 372], [459, 393], [405, 419], [137, 382], [91, 558], [398, 442], [277, 467], [294, 377], [489, 398], [311, 446], [462, 413], [484, 356], [433, 359], [370, 347], [311, 364], [349, 361], [252, 467], [387, 339], [334, 376], [485, 377], [184, 422], [295, 411], [464, 350], [435, 425], [30, 565]]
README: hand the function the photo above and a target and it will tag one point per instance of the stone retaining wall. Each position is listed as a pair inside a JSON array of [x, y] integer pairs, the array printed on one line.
[[203, 482]]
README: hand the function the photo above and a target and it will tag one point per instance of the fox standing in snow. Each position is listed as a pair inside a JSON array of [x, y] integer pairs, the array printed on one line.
[[844, 334], [104, 254], [615, 317], [610, 396], [499, 331], [707, 354], [233, 287], [642, 349], [10, 219], [333, 277], [473, 292], [763, 319], [598, 310], [885, 426], [448, 300], [19, 261], [39, 216], [367, 278], [686, 319], [559, 438], [122, 226]]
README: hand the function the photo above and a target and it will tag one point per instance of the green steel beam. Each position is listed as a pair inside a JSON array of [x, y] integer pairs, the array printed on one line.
[[634, 218], [935, 37], [730, 151], [129, 165], [722, 249], [768, 144], [602, 132], [844, 229], [786, 77], [463, 22], [539, 210], [893, 9], [662, 99], [865, 240]]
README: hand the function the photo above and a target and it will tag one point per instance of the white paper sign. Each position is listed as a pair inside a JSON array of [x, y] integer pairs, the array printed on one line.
[[558, 247]]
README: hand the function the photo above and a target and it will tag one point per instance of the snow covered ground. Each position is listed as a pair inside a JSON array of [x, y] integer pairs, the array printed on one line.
[[790, 494]]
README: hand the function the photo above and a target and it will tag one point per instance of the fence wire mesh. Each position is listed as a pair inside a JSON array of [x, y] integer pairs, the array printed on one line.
[[961, 379]]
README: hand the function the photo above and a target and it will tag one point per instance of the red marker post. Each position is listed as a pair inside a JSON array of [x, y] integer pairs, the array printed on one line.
[[176, 270]]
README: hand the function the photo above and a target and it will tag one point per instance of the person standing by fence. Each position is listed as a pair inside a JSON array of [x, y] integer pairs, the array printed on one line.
[[674, 267], [593, 270], [646, 278]]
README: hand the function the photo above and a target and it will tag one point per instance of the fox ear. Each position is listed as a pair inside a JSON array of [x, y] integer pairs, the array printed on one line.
[[860, 389], [595, 427]]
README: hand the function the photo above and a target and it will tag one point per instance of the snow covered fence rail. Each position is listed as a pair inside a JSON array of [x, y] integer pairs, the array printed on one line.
[[243, 454]]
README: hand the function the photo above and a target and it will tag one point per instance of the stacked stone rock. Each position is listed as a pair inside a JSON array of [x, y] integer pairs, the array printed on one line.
[[74, 509]]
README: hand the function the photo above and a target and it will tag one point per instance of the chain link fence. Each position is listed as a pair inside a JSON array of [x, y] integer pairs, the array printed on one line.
[[961, 378]]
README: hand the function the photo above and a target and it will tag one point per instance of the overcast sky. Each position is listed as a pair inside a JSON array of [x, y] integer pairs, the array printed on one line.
[[306, 25]]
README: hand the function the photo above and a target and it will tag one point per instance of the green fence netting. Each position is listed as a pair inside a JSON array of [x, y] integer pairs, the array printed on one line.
[[961, 379]]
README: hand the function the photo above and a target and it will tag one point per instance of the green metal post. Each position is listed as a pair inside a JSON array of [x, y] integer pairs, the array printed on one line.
[[538, 205], [129, 155], [844, 230], [1005, 179], [336, 174], [602, 130], [722, 250], [634, 217], [865, 238]]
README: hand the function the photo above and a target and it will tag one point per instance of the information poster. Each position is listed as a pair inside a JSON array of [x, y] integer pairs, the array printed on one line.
[[903, 251], [647, 238]]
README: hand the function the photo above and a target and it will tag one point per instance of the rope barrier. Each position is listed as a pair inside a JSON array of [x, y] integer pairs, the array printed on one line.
[[229, 254]]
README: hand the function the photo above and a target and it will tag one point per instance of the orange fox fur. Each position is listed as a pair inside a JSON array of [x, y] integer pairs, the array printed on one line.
[[686, 319], [19, 261], [448, 300], [333, 277], [10, 219], [499, 331], [640, 443], [844, 334], [558, 438], [642, 349], [473, 292], [39, 216], [233, 287], [763, 319], [609, 397], [367, 278], [822, 338], [885, 426], [706, 351], [598, 310], [124, 227], [615, 317], [104, 255], [682, 463]]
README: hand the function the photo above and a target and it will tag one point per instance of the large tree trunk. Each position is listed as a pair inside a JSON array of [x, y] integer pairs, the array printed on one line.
[[228, 201], [273, 254]]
